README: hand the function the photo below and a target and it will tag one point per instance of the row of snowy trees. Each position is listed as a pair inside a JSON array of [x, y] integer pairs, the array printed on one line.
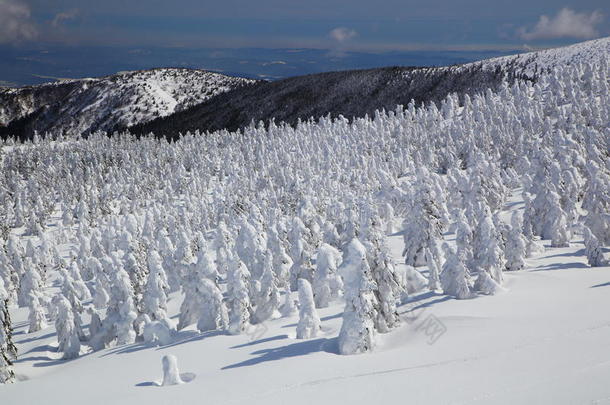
[[239, 221]]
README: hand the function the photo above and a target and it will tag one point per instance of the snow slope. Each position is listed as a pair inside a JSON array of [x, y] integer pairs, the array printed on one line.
[[530, 62], [119, 100], [546, 340]]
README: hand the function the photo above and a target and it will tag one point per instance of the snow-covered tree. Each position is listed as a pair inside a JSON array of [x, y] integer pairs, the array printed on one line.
[[9, 276], [268, 300], [238, 299], [558, 229], [248, 245], [593, 249], [596, 201], [8, 351], [488, 252], [289, 307], [327, 283], [515, 247], [67, 334], [454, 278], [309, 321], [281, 261], [154, 299], [423, 224], [37, 318], [221, 245], [120, 313], [388, 287], [300, 253], [357, 333], [31, 283], [432, 261], [214, 314]]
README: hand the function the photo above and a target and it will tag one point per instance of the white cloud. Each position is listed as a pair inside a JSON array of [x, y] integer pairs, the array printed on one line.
[[342, 34], [64, 16], [16, 22], [566, 23]]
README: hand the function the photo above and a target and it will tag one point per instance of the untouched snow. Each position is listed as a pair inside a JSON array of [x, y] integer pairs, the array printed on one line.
[[545, 340]]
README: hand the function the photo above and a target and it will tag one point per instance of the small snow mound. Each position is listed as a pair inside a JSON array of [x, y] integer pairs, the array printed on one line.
[[171, 374]]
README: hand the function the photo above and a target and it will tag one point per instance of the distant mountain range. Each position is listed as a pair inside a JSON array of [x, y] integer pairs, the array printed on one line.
[[169, 102], [107, 103], [358, 92]]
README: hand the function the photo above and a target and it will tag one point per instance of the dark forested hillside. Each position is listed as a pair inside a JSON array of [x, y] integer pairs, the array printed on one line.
[[349, 93]]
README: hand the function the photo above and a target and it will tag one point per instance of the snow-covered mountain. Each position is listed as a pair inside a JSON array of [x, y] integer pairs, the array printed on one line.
[[357, 93], [120, 100], [173, 101], [450, 253], [530, 63]]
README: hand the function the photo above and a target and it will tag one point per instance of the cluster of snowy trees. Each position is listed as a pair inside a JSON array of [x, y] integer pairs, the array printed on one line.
[[241, 222]]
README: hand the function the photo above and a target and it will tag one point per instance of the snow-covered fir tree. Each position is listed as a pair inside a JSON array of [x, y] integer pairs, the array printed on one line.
[[455, 278], [515, 247], [268, 301], [8, 350], [357, 333], [309, 321], [593, 249], [238, 299], [327, 283], [67, 333]]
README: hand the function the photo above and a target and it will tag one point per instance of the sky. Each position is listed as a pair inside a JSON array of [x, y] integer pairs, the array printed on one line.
[[167, 33]]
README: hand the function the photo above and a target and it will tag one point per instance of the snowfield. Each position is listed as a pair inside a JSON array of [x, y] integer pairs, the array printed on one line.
[[545, 340], [456, 253]]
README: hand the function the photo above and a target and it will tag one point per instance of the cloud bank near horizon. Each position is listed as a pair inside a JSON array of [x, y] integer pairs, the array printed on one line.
[[567, 23], [16, 22], [346, 25]]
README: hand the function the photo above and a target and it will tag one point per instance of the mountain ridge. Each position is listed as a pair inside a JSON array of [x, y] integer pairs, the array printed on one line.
[[193, 100], [356, 93], [101, 104]]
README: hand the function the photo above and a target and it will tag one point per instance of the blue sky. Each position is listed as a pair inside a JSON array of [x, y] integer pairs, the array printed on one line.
[[339, 26]]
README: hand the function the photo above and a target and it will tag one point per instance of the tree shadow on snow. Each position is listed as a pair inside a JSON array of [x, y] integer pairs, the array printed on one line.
[[48, 362], [561, 266], [324, 318], [192, 336], [601, 285], [148, 384], [441, 298], [33, 358], [31, 339], [41, 348], [301, 348], [131, 348], [185, 377], [578, 253], [259, 341], [178, 339]]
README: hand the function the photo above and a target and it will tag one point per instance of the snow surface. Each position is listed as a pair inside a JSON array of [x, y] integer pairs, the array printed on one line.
[[545, 340]]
